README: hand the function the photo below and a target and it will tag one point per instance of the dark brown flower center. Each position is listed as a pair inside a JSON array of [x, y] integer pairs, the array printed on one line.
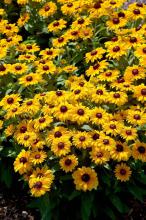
[[14, 110], [77, 91], [10, 100], [114, 39], [59, 93], [93, 53], [49, 52], [137, 117], [139, 4], [106, 141], [42, 120], [116, 20], [141, 150], [61, 145], [63, 109], [29, 78], [96, 66], [99, 92], [45, 67], [29, 47], [116, 49], [23, 160], [47, 8], [97, 5], [80, 112], [136, 11], [29, 103], [121, 15], [99, 154], [60, 39], [128, 132], [23, 129], [99, 115], [56, 23], [69, 4], [108, 74], [81, 21], [119, 148], [82, 138], [38, 185], [57, 134], [113, 126], [68, 162], [2, 68], [37, 156], [26, 137], [85, 177], [143, 92], [135, 72], [133, 39], [116, 95], [122, 171], [95, 136], [18, 67]]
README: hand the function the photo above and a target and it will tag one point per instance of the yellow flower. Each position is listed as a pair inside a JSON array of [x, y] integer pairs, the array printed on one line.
[[38, 157], [47, 68], [39, 186], [57, 25], [128, 133], [116, 50], [97, 68], [19, 68], [68, 163], [85, 178], [80, 114], [23, 19], [60, 147], [62, 112], [98, 116], [94, 54], [139, 151], [99, 155], [60, 42], [58, 132], [41, 172], [112, 127], [42, 122], [120, 152], [136, 117], [31, 79], [22, 162], [50, 53], [122, 172], [140, 92], [82, 140], [10, 101], [48, 9], [118, 98], [134, 73]]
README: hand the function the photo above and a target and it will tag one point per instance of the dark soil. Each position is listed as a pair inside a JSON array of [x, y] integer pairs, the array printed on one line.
[[14, 205]]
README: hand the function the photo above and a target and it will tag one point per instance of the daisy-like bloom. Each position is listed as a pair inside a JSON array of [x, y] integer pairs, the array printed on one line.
[[72, 34], [70, 69], [136, 11], [12, 112], [57, 25], [94, 54], [58, 132], [38, 157], [10, 29], [4, 69], [134, 39], [82, 140], [60, 147], [9, 131], [26, 139], [95, 136], [140, 92], [69, 8], [62, 112], [50, 53], [99, 155], [86, 33], [60, 42], [99, 94], [122, 172], [47, 68], [140, 51], [136, 117], [42, 122], [38, 143], [112, 127], [27, 57], [106, 142], [108, 75], [117, 20], [97, 10], [118, 98], [134, 73], [112, 4], [116, 50], [85, 178], [97, 68], [48, 9], [120, 152], [68, 163], [41, 172], [39, 186], [10, 101], [19, 68], [98, 116], [31, 48], [22, 2], [31, 79], [30, 106], [22, 162], [139, 151], [81, 22], [80, 114], [23, 19], [128, 133]]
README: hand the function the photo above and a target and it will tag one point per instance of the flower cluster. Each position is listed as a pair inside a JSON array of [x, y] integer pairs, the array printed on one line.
[[77, 105]]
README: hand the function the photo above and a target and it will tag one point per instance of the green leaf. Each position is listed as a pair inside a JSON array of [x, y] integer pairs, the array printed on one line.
[[118, 204], [136, 192], [109, 212], [6, 174], [86, 205], [74, 194]]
